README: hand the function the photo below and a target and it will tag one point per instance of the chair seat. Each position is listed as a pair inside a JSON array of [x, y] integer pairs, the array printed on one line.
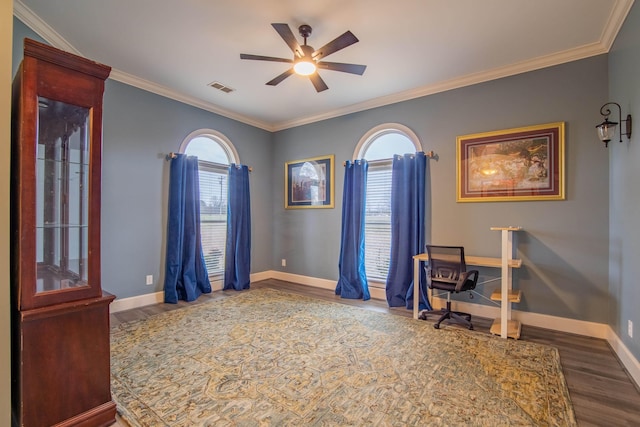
[[451, 287]]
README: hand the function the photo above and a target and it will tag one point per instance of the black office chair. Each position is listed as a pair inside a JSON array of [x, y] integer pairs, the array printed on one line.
[[447, 271]]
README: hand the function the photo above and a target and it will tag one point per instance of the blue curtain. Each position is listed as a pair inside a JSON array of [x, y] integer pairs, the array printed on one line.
[[407, 229], [353, 278], [186, 275], [237, 265]]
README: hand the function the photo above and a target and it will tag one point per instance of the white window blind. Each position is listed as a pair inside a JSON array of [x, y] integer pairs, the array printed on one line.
[[377, 226], [213, 215]]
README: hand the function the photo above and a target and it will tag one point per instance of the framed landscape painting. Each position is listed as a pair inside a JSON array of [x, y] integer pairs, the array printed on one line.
[[512, 165], [309, 183]]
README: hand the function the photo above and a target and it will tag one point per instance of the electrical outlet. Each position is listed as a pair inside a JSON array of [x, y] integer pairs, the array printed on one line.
[[630, 328], [149, 279], [284, 262]]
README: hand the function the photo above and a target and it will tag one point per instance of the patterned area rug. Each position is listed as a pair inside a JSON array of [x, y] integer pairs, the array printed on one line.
[[270, 358]]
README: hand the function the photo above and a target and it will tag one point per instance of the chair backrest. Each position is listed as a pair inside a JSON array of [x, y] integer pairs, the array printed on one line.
[[446, 262]]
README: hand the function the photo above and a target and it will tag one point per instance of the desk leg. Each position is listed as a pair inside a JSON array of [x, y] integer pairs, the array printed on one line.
[[505, 285], [504, 326], [416, 287]]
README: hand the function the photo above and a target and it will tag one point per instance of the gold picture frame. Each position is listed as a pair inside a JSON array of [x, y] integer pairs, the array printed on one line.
[[518, 164], [308, 183]]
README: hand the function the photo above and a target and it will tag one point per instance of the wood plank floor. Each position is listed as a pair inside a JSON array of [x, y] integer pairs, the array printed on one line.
[[602, 392]]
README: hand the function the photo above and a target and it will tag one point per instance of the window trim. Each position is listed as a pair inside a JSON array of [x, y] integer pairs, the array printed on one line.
[[383, 129], [219, 137]]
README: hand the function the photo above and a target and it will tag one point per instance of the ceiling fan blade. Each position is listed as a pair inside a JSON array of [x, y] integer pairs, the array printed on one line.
[[264, 58], [280, 78], [345, 68], [347, 39], [318, 83], [288, 37]]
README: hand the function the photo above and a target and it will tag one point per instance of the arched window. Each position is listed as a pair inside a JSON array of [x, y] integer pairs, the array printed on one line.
[[215, 152], [378, 146]]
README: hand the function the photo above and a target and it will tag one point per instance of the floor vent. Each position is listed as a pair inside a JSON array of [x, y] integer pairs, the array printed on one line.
[[220, 86]]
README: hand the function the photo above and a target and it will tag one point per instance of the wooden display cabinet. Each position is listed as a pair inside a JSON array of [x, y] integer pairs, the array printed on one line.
[[60, 316]]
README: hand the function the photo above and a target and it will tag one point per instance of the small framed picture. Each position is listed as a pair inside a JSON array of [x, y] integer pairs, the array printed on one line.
[[309, 183]]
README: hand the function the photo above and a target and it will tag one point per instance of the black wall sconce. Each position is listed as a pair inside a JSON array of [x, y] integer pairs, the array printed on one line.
[[607, 129]]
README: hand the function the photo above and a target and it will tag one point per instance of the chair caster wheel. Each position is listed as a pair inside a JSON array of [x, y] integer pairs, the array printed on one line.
[[436, 326], [471, 328]]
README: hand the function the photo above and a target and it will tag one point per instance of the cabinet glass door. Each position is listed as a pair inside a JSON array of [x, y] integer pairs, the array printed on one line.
[[62, 182]]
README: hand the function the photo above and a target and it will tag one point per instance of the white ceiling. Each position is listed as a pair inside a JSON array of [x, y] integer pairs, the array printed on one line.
[[411, 47]]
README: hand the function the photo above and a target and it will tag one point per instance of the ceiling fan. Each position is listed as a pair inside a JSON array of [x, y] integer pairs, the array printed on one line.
[[306, 60]]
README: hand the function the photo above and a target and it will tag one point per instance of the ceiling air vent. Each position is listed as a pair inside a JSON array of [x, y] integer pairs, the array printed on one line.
[[220, 86]]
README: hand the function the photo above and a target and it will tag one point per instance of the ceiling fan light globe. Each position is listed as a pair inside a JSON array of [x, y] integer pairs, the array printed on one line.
[[304, 68]]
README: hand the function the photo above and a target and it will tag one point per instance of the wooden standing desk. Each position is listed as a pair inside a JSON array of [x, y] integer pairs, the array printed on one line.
[[503, 326]]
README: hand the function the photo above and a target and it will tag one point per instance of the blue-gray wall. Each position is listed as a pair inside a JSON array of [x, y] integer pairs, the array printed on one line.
[[565, 243], [139, 129], [624, 206]]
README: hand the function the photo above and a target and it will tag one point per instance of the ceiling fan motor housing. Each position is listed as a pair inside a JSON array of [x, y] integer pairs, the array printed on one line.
[[307, 51]]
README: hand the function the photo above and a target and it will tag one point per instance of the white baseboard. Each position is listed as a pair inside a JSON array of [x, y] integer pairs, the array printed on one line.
[[562, 324], [303, 280], [597, 330], [628, 360], [376, 293], [122, 304], [263, 275]]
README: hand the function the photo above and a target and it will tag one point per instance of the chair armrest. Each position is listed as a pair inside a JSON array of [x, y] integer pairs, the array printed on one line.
[[467, 275]]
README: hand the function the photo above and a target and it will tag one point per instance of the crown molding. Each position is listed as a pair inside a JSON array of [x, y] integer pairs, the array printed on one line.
[[616, 19], [166, 92], [468, 80], [33, 21], [619, 13], [40, 27], [614, 23]]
